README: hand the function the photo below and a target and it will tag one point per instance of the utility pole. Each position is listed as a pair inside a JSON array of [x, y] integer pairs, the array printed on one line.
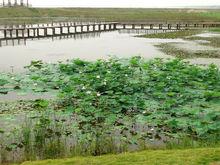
[[27, 3], [16, 3], [3, 3]]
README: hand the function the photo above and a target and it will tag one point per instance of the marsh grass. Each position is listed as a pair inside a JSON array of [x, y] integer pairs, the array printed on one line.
[[215, 30], [173, 50], [172, 35], [213, 41]]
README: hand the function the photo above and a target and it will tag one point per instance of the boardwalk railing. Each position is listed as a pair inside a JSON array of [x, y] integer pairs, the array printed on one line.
[[67, 28]]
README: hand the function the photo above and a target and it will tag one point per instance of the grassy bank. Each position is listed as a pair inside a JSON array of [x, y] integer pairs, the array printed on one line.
[[157, 157], [111, 14]]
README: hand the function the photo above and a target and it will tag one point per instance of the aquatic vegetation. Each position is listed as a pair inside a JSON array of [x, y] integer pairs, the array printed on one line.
[[116, 105], [212, 41], [182, 53], [188, 35], [172, 35], [215, 30]]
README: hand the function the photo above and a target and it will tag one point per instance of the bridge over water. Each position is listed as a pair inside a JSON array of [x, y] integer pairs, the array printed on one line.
[[26, 31]]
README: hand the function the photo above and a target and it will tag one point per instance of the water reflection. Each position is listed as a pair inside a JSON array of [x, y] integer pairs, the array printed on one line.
[[23, 41], [88, 46], [15, 54], [15, 42]]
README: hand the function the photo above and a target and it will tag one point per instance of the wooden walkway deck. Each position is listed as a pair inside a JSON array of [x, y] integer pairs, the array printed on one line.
[[57, 29], [45, 30]]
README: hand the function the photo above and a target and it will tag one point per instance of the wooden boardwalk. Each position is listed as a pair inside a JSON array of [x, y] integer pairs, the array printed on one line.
[[54, 29], [21, 41], [67, 28]]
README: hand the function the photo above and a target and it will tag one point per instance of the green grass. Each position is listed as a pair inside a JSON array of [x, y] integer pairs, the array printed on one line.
[[211, 15], [172, 35], [111, 14], [152, 157]]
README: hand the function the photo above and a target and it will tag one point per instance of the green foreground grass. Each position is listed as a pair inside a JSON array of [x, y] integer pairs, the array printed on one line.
[[111, 14], [151, 157]]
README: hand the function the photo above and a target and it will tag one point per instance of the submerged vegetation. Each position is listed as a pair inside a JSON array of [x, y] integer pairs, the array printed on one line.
[[111, 106]]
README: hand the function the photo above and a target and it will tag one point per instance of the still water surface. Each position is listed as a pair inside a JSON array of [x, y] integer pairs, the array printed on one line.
[[14, 55], [88, 47]]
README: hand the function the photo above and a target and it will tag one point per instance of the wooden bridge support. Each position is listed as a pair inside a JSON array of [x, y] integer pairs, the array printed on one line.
[[5, 33], [94, 28], [133, 26], [114, 26], [28, 33], [23, 33], [11, 34], [53, 31], [178, 26], [45, 32], [38, 32], [16, 33], [169, 26]]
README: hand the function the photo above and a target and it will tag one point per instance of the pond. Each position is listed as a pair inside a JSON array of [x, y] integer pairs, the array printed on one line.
[[87, 46], [51, 128], [16, 54]]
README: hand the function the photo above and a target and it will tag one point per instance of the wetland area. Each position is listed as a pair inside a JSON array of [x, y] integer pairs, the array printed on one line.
[[95, 94]]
